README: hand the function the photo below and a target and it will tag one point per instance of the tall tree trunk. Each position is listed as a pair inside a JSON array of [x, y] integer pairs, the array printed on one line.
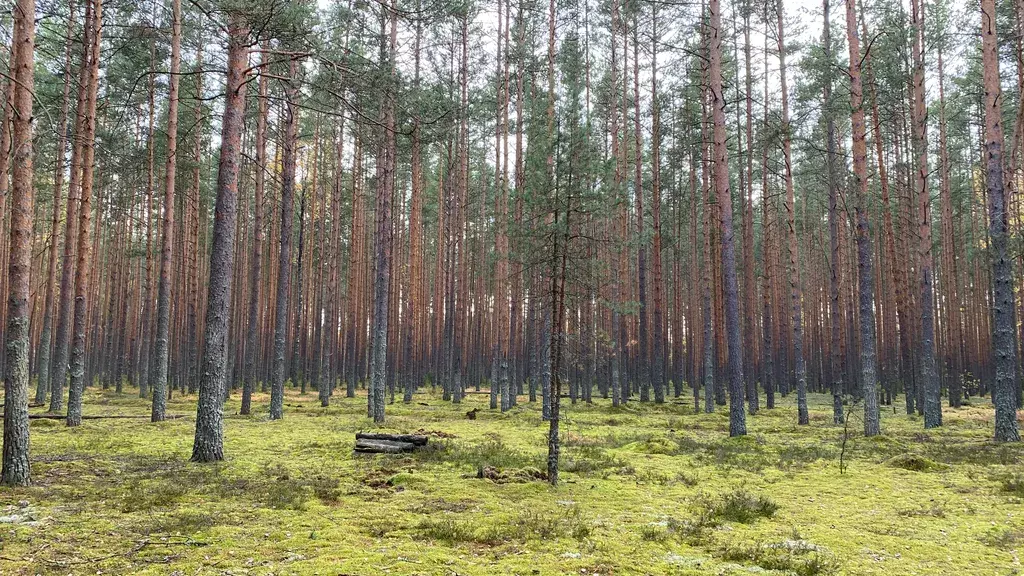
[[737, 414], [836, 368], [284, 262], [1003, 340], [16, 466], [82, 268], [67, 276], [163, 306], [949, 257], [46, 336], [795, 296], [929, 375], [382, 237], [208, 445], [865, 275], [749, 286], [658, 337], [252, 340], [414, 297]]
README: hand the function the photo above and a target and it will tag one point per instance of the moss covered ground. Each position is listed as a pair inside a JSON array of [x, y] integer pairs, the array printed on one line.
[[646, 490]]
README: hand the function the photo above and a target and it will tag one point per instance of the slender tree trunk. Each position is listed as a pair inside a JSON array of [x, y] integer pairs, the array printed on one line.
[[67, 275], [658, 338], [737, 414], [252, 340]]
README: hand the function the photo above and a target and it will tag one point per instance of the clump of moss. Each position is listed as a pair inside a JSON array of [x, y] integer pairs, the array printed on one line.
[[915, 463], [514, 476]]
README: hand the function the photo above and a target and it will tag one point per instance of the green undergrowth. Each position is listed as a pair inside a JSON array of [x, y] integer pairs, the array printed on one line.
[[646, 489]]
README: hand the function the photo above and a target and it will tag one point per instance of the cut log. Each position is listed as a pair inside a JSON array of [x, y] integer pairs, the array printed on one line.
[[416, 439]]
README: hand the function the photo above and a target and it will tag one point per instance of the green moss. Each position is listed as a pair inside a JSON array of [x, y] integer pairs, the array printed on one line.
[[645, 490]]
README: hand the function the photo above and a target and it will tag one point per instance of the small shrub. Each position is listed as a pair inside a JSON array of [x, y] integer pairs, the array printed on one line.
[[935, 511], [1004, 538], [381, 527], [492, 452], [587, 460], [519, 476], [141, 495], [1013, 484], [654, 533], [440, 505], [445, 529], [743, 507], [695, 531], [516, 527], [280, 491], [181, 521], [687, 479], [795, 556], [325, 488]]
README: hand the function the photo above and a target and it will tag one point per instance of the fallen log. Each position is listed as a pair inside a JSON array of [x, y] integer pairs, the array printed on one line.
[[383, 447], [416, 439]]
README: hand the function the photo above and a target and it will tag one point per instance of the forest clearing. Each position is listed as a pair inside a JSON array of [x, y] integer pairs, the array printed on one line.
[[645, 490]]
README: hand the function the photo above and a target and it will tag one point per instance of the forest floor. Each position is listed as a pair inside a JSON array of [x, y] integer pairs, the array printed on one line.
[[646, 490]]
